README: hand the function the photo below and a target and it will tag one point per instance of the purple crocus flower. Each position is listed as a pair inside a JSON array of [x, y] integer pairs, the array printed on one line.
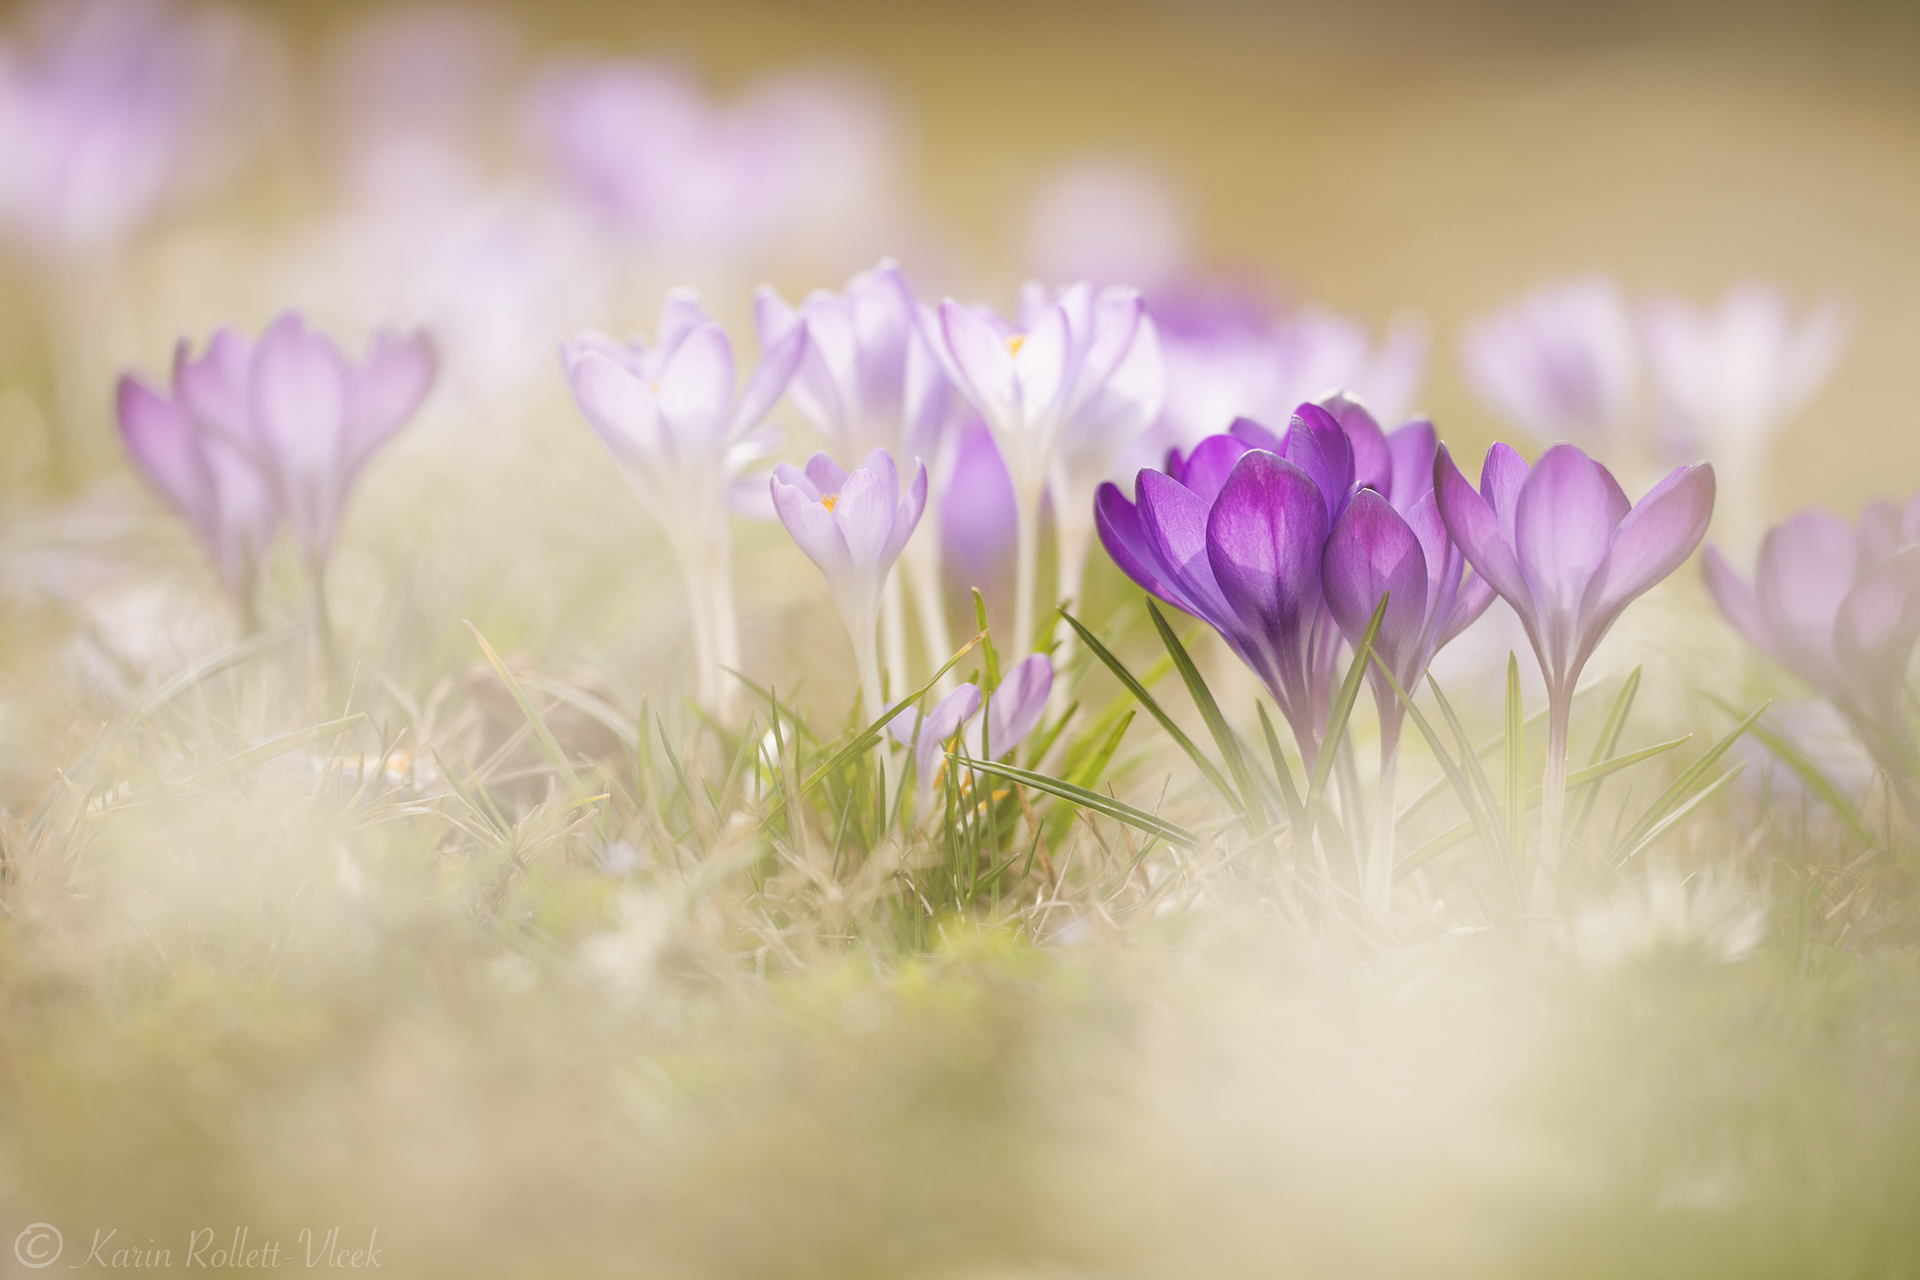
[[869, 380], [681, 431], [108, 108], [1560, 542], [1013, 710], [1233, 533], [256, 432], [1838, 606], [1729, 375], [1559, 363], [196, 447], [853, 525], [1229, 356], [1063, 394]]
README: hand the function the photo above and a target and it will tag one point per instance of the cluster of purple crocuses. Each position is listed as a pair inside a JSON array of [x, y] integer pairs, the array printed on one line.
[[1287, 539]]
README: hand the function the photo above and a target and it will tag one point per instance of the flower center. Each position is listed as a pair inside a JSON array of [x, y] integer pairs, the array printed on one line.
[[1014, 343], [829, 500]]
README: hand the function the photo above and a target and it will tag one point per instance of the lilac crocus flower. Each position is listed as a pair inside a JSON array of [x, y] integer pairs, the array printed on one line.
[[1559, 363], [1839, 606], [1063, 393], [853, 525], [1560, 542], [1728, 377], [870, 381], [257, 432], [1233, 533], [108, 109], [681, 431], [1013, 710], [1229, 356]]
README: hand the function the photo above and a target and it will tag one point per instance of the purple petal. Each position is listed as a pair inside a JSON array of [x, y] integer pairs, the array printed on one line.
[[1264, 541], [386, 390], [983, 362], [695, 390], [620, 408], [814, 529], [1017, 705], [1563, 528], [1373, 552], [160, 438], [299, 396], [1476, 530], [769, 380], [1654, 539], [1736, 600]]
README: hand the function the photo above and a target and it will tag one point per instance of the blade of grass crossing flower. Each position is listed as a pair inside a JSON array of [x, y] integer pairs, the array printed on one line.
[[1342, 708], [1282, 773], [1478, 816], [1207, 768], [1509, 858], [1092, 801], [1223, 736]]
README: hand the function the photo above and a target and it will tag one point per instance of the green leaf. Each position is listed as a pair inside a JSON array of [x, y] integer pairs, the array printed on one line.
[[1516, 751], [1208, 769], [1605, 745], [1223, 735], [549, 745], [1342, 707], [1682, 786], [1092, 801], [1810, 774], [1638, 845]]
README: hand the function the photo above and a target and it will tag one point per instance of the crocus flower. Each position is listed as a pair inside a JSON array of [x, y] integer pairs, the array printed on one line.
[[108, 108], [1560, 542], [1559, 363], [1234, 533], [1063, 393], [1013, 710], [853, 525], [1728, 377], [870, 381], [1838, 606], [1230, 356], [670, 414], [256, 432]]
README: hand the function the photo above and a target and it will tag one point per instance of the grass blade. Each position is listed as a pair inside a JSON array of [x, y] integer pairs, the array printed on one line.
[[1093, 801]]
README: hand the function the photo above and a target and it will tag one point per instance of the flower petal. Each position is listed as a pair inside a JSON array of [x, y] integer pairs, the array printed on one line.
[[1373, 552], [1653, 540], [1016, 706]]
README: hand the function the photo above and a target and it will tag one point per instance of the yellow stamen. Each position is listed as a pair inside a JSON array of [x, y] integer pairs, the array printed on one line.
[[829, 500], [1014, 342]]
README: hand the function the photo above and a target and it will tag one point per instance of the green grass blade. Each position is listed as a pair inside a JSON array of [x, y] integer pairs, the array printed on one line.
[[549, 745], [1605, 745], [1342, 708], [1207, 768], [1092, 801], [1811, 775], [1682, 786], [1223, 735], [1516, 752]]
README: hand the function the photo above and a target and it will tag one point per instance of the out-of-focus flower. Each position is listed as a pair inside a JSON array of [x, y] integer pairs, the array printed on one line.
[[1838, 606], [1227, 357], [1728, 376], [978, 517], [1014, 708], [680, 429], [1111, 220], [196, 446], [109, 108], [868, 380], [1713, 915], [1561, 543], [805, 162], [669, 411], [1559, 363], [1064, 394], [853, 525], [253, 433]]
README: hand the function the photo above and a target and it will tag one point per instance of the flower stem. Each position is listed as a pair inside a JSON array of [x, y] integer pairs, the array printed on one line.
[[893, 631], [923, 567], [1553, 782], [1026, 573], [1380, 869]]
